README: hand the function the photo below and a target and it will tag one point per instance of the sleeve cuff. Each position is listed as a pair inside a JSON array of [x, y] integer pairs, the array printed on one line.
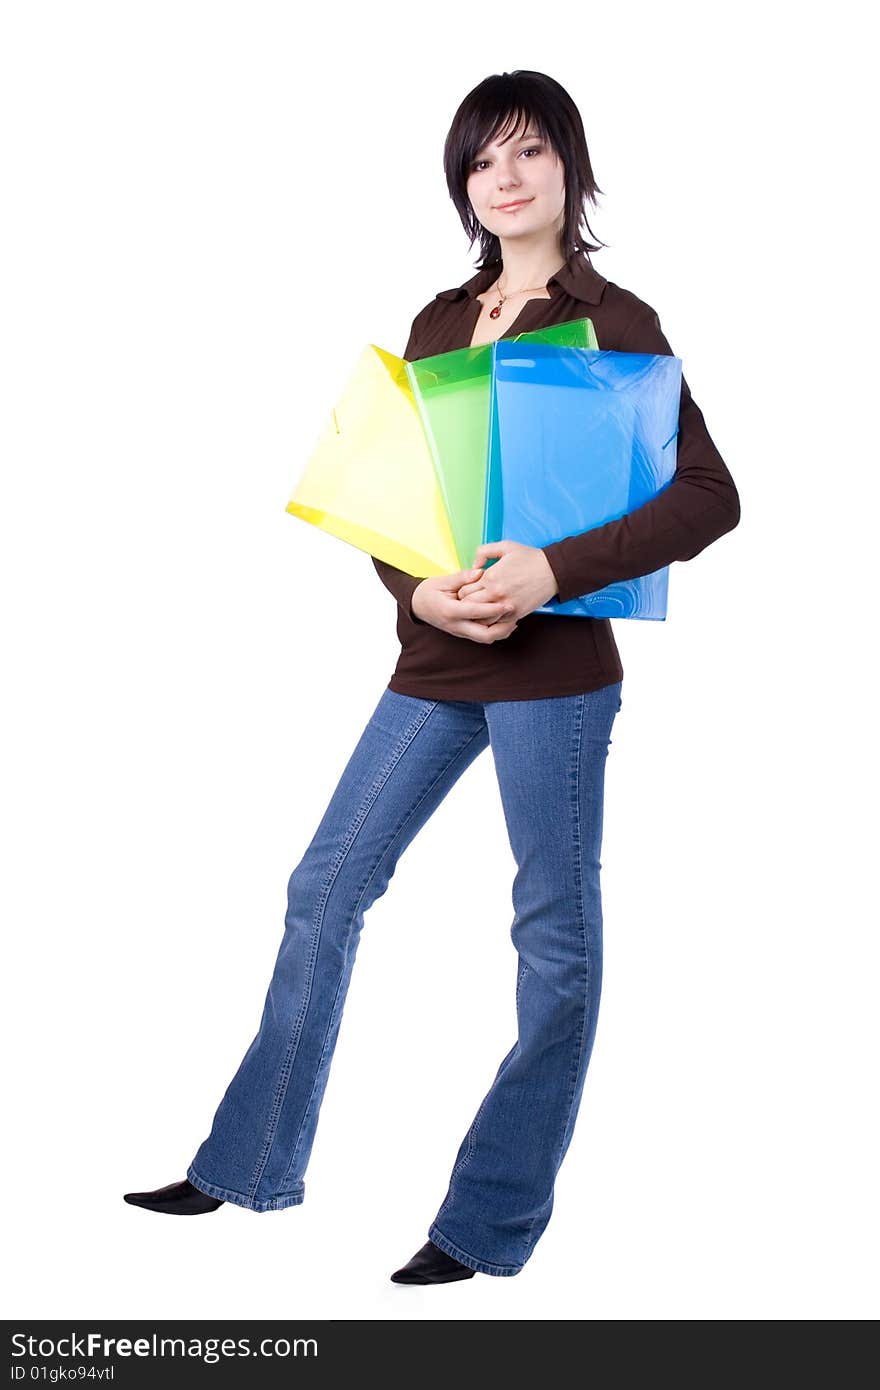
[[409, 608], [558, 554]]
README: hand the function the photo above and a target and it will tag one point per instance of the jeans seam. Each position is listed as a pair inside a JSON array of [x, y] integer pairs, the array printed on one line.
[[458, 1252], [296, 1033], [290, 1197], [387, 849], [579, 884]]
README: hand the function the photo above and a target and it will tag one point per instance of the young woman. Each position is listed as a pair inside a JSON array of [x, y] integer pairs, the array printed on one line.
[[479, 668]]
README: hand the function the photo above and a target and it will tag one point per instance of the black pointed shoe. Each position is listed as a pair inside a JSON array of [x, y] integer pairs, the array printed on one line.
[[431, 1265], [181, 1198]]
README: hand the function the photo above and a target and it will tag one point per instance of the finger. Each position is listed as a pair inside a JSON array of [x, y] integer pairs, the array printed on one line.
[[483, 632], [457, 578], [490, 550], [475, 632], [491, 608], [499, 632], [507, 615]]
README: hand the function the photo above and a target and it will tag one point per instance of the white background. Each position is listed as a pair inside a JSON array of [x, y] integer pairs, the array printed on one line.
[[210, 210]]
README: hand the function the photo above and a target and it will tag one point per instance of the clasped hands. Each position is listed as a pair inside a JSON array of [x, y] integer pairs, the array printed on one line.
[[486, 605]]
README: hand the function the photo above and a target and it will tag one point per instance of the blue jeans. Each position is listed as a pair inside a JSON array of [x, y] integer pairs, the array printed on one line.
[[550, 759]]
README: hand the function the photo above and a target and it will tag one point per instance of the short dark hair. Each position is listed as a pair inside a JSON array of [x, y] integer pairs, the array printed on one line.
[[498, 104]]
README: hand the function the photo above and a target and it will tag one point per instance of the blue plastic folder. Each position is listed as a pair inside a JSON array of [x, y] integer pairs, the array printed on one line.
[[577, 438]]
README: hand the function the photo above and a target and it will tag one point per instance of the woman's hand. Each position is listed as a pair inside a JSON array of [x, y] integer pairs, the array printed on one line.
[[521, 579], [437, 601]]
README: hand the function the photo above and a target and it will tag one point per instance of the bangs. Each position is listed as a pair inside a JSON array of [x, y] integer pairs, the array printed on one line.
[[502, 124]]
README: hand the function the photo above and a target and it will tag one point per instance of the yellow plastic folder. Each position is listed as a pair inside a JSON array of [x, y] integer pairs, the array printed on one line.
[[388, 474], [370, 479]]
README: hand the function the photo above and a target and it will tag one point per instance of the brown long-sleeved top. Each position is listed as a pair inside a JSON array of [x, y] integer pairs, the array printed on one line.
[[549, 654]]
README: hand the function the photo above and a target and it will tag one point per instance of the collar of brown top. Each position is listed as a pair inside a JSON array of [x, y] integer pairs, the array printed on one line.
[[577, 278]]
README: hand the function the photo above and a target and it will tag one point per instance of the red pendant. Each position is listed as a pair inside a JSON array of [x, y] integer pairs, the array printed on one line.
[[493, 313]]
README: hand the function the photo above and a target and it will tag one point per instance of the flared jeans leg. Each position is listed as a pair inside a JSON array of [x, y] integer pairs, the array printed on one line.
[[410, 754], [550, 758]]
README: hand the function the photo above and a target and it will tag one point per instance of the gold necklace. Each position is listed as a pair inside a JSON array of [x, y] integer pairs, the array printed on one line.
[[493, 313]]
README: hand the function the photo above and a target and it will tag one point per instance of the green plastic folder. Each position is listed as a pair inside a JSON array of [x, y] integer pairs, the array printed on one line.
[[452, 391]]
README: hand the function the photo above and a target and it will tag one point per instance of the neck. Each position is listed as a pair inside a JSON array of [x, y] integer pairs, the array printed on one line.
[[526, 265]]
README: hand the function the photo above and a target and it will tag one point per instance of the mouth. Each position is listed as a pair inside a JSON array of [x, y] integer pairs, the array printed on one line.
[[511, 207]]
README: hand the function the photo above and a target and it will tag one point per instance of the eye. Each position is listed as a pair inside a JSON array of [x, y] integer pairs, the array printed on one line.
[[532, 149]]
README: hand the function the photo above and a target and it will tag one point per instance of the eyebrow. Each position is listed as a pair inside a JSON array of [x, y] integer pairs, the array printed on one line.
[[533, 135]]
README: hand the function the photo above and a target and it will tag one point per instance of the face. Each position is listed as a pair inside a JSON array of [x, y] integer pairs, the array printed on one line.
[[518, 167]]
